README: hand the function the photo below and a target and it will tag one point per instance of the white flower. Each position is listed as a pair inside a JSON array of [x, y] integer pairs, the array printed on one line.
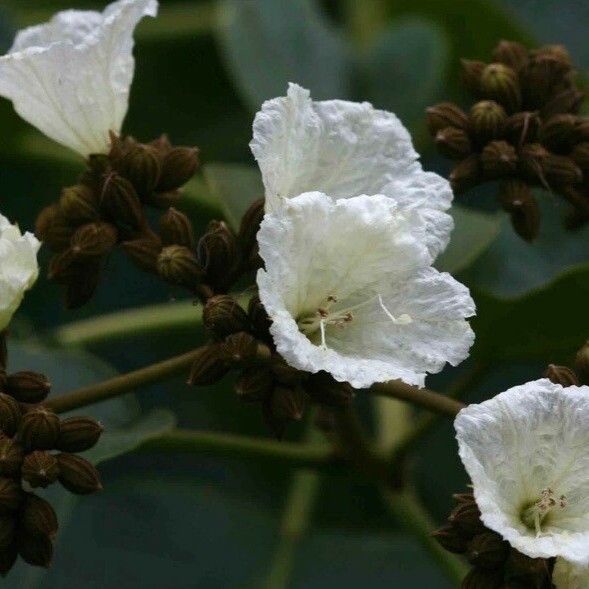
[[345, 149], [349, 289], [18, 267], [70, 77], [527, 453], [570, 576]]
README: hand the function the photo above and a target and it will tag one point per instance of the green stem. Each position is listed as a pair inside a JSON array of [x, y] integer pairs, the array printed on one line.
[[365, 20], [409, 512], [225, 445]]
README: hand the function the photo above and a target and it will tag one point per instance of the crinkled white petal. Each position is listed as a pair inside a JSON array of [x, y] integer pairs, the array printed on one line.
[[345, 149], [369, 255], [18, 267], [71, 77], [531, 438], [567, 575]]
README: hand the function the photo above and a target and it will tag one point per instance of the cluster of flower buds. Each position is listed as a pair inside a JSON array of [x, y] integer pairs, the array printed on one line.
[[565, 376], [524, 131], [495, 565], [107, 207], [37, 448], [241, 341]]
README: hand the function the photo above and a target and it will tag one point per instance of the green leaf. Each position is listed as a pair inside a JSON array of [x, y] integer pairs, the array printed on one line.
[[235, 186], [267, 44], [473, 233]]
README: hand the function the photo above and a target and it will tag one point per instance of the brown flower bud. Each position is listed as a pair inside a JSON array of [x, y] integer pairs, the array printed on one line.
[[498, 158], [142, 166], [7, 530], [179, 165], [465, 174], [558, 52], [77, 475], [471, 75], [499, 82], [582, 129], [28, 386], [208, 367], [254, 384], [53, 229], [541, 79], [78, 434], [561, 375], [532, 157], [559, 132], [566, 101], [445, 114], [63, 267], [35, 549], [512, 54], [222, 315], [517, 199], [579, 201], [10, 414], [120, 202], [163, 200], [8, 557], [284, 373], [178, 265], [79, 204], [10, 495], [176, 229], [466, 517], [38, 517], [249, 227], [451, 539], [94, 239], [39, 429], [162, 144], [522, 567], [482, 579], [288, 404], [522, 127], [40, 469], [582, 363], [239, 347], [488, 550], [561, 170], [453, 143], [11, 456], [144, 252], [218, 252], [463, 497], [324, 389], [487, 120], [258, 317], [83, 283], [580, 155]]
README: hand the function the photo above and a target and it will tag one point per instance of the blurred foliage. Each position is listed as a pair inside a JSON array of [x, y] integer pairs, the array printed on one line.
[[203, 68]]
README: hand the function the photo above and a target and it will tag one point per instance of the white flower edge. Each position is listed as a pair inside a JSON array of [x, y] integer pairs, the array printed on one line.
[[567, 575], [71, 77], [345, 149], [520, 443], [369, 254], [18, 267]]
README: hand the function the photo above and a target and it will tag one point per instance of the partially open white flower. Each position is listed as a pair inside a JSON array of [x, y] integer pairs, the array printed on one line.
[[18, 267], [345, 149], [527, 453], [71, 77], [567, 575], [349, 289]]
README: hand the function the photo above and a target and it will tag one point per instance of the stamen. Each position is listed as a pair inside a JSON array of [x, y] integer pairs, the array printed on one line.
[[534, 515], [322, 328]]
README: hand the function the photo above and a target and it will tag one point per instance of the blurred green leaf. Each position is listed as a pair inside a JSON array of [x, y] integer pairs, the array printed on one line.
[[267, 44], [473, 233]]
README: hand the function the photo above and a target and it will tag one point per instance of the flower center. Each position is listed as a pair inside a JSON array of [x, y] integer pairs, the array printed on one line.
[[535, 514]]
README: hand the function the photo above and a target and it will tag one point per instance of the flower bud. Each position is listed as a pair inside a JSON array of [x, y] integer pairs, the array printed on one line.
[[471, 75], [176, 229], [249, 227], [566, 101], [7, 530], [77, 475], [78, 434], [179, 165], [222, 315], [558, 52], [498, 158], [288, 404], [522, 127], [39, 429], [178, 265], [541, 78], [466, 517], [254, 384], [324, 389], [94, 239], [10, 414], [582, 363], [580, 204], [120, 202], [445, 114], [524, 568], [284, 373], [532, 157], [582, 129], [38, 517], [10, 495], [561, 375], [62, 267], [35, 549], [240, 347], [511, 53], [488, 550], [580, 155], [28, 386], [82, 284], [208, 367], [79, 204], [559, 132], [561, 170], [517, 199], [218, 252], [258, 318], [40, 469], [465, 174], [451, 539], [453, 143], [482, 579], [11, 456], [144, 252], [487, 120], [499, 82], [163, 200], [141, 165], [52, 228]]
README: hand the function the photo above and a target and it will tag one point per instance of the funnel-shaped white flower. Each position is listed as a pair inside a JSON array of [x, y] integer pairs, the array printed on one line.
[[345, 149], [71, 77], [18, 267], [527, 453], [349, 289]]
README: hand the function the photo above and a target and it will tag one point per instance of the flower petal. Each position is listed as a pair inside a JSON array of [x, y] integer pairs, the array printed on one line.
[[345, 149], [531, 438], [71, 77], [567, 575]]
